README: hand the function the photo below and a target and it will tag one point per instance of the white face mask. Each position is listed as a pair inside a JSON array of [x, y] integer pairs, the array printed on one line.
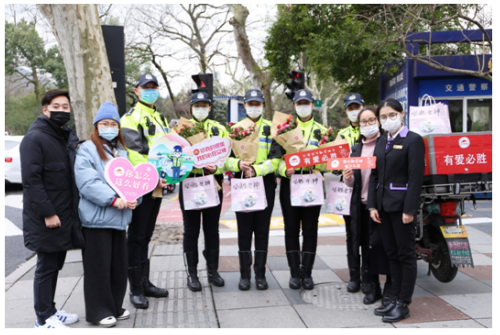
[[391, 126], [369, 131], [200, 113], [254, 111], [353, 115], [303, 110]]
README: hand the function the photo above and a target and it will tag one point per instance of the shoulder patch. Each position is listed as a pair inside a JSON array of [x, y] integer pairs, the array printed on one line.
[[130, 111]]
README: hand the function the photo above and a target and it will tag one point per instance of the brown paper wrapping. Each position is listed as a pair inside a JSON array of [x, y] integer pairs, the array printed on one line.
[[292, 141], [338, 141], [192, 139], [183, 121], [196, 138], [247, 148]]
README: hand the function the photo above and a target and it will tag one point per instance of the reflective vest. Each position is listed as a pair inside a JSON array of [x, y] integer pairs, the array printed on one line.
[[350, 134], [311, 141], [209, 125], [135, 127], [269, 152]]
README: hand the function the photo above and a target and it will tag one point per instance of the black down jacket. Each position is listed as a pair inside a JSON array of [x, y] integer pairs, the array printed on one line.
[[48, 154]]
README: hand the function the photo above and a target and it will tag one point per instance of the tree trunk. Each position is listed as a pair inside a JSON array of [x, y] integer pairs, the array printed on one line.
[[260, 79], [78, 31], [36, 83]]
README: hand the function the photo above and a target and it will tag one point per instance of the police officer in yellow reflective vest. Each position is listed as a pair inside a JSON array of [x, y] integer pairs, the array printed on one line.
[[256, 223], [353, 104], [200, 107], [141, 126], [293, 216]]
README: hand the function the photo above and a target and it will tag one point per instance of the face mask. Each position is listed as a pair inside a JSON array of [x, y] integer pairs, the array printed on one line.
[[59, 118], [369, 131], [391, 125], [108, 134], [200, 113], [149, 95], [254, 111], [303, 110], [353, 115]]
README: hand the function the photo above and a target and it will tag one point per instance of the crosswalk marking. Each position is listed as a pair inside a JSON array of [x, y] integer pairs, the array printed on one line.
[[11, 229], [15, 200]]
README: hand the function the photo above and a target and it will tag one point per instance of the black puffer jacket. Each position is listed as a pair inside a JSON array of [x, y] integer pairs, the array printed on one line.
[[47, 157]]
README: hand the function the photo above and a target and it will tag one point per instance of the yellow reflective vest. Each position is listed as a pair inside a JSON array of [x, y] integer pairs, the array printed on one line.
[[350, 134], [309, 131], [269, 152], [141, 126]]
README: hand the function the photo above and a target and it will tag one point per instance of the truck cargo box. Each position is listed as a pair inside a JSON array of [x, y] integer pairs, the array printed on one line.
[[458, 158]]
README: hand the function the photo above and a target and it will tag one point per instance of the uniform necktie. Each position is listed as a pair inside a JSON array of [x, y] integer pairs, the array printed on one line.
[[388, 145]]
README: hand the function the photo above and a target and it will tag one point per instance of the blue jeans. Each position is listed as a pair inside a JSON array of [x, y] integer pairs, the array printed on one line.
[[177, 172]]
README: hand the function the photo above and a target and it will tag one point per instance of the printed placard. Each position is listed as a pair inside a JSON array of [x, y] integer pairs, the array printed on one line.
[[171, 159], [213, 151], [338, 199], [130, 182], [460, 253], [316, 156], [355, 163]]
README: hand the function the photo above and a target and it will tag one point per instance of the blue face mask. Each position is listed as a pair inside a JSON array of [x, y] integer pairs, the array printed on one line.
[[149, 95], [108, 134]]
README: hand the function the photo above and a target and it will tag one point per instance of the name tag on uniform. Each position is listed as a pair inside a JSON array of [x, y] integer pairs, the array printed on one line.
[[398, 147]]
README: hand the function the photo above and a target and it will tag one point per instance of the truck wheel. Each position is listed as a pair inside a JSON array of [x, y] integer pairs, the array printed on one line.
[[441, 266]]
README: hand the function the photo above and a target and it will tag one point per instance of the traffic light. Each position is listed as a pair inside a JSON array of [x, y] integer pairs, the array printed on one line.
[[205, 83], [296, 83]]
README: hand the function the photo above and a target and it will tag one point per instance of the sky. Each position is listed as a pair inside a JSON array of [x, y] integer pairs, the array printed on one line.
[[260, 18]]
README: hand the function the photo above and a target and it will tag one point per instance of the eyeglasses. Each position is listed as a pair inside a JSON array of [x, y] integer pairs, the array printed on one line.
[[392, 116], [104, 125], [371, 121]]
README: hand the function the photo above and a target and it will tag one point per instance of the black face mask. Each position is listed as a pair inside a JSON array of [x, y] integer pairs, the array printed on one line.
[[59, 118]]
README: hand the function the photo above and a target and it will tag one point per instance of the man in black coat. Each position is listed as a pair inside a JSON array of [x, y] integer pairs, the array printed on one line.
[[50, 202]]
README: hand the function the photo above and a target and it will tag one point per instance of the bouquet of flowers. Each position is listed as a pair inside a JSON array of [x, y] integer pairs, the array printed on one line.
[[239, 133], [287, 133], [289, 125], [244, 140], [229, 126], [331, 138], [193, 132]]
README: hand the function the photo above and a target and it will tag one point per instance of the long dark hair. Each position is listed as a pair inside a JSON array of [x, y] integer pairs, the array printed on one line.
[[99, 142], [372, 109]]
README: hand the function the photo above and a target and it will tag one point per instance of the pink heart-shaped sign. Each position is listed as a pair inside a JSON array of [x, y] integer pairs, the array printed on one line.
[[130, 182]]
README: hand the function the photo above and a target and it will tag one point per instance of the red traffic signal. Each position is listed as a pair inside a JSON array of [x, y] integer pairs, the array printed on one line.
[[295, 83]]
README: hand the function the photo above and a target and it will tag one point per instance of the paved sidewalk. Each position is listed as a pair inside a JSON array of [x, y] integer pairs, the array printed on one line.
[[466, 302]]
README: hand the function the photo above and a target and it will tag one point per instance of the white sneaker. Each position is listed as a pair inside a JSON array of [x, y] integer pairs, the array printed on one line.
[[124, 316], [110, 321], [52, 322], [65, 317]]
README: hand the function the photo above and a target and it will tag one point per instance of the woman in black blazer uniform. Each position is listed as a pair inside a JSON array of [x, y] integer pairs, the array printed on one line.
[[394, 200]]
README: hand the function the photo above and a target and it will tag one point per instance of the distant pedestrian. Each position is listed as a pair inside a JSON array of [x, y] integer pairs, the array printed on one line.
[[50, 217], [104, 218]]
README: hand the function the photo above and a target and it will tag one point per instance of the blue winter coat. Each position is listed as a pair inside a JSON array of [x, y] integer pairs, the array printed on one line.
[[96, 195]]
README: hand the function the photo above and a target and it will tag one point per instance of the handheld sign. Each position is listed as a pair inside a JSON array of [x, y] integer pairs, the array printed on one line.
[[172, 161], [316, 156], [213, 151], [130, 182], [355, 163]]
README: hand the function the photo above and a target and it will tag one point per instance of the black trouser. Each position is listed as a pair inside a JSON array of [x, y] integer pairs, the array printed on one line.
[[105, 272], [192, 223], [141, 229], [47, 269], [293, 216], [399, 244], [258, 222]]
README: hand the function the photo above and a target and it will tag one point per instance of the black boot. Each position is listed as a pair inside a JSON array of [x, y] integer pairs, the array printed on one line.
[[387, 296], [374, 294], [383, 311], [294, 264], [149, 289], [398, 313], [306, 269], [366, 283], [245, 271], [212, 257], [259, 267], [354, 273], [191, 263], [137, 297]]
